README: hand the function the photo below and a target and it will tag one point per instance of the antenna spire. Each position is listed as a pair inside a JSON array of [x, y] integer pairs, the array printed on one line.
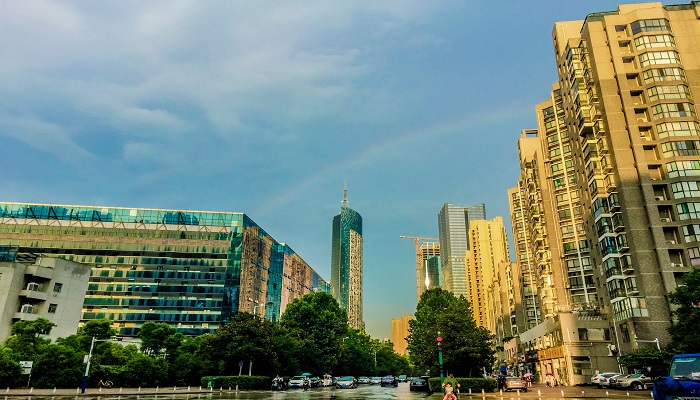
[[344, 204]]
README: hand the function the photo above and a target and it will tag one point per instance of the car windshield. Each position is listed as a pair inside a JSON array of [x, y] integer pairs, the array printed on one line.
[[513, 378], [297, 378], [419, 380], [345, 378], [376, 378], [686, 368]]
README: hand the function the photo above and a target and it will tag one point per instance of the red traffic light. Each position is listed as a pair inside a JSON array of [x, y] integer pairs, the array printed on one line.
[[439, 338]]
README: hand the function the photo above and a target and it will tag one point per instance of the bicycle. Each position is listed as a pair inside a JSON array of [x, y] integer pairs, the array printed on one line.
[[107, 384]]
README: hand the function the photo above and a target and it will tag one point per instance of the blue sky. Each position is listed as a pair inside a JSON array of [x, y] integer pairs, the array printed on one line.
[[268, 107]]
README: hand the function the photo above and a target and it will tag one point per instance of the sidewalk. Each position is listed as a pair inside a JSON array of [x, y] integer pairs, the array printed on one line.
[[96, 392], [567, 392]]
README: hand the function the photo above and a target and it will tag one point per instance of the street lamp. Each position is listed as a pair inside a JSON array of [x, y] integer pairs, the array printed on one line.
[[89, 359], [255, 307]]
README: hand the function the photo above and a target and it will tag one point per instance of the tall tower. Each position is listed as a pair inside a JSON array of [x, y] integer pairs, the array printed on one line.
[[346, 262], [453, 222], [399, 332]]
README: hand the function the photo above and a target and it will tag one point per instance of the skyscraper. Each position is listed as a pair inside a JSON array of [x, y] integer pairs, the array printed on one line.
[[346, 262], [190, 269], [429, 276], [453, 222]]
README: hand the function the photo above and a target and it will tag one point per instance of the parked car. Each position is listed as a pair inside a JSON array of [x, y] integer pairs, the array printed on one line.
[[683, 380], [634, 382], [315, 382], [419, 384], [605, 382], [403, 378], [363, 380], [613, 382], [389, 380], [515, 383], [376, 380], [296, 382], [605, 375]]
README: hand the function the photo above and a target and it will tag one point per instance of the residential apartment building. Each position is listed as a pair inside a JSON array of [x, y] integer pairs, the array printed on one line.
[[611, 172], [453, 223], [50, 288], [346, 262], [190, 269], [399, 333]]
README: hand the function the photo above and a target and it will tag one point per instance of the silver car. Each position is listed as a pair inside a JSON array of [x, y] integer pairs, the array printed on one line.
[[603, 377]]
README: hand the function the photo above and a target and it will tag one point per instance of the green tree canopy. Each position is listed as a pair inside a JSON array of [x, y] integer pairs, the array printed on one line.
[[466, 348], [26, 340], [685, 335], [320, 324]]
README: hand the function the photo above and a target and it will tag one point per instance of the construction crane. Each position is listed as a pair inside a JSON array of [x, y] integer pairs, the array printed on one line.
[[419, 263]]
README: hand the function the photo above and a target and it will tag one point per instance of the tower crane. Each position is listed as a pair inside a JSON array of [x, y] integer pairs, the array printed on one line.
[[419, 266]]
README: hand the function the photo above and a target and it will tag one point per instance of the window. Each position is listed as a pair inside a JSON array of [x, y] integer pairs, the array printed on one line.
[[57, 287], [685, 189], [650, 25], [683, 168], [688, 211], [582, 334], [694, 255], [681, 128], [681, 148], [691, 233], [668, 92], [672, 110], [625, 333], [663, 74], [651, 41], [52, 308]]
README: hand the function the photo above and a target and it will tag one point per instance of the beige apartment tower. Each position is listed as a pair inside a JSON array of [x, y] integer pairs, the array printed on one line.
[[399, 332], [610, 185]]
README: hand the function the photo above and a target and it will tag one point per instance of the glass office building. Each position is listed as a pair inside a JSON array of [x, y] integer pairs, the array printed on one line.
[[346, 262], [190, 269]]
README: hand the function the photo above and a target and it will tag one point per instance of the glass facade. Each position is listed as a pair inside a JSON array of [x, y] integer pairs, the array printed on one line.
[[190, 269], [346, 263], [453, 223]]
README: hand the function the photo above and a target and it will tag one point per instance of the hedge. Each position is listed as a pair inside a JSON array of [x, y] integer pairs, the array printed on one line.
[[243, 382], [475, 384]]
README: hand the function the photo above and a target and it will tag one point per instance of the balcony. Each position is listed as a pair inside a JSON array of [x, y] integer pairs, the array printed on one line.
[[33, 295], [39, 272]]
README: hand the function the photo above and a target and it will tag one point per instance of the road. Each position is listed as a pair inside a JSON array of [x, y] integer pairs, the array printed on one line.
[[363, 392]]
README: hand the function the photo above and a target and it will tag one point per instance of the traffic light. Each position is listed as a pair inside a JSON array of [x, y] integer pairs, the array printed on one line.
[[439, 339]]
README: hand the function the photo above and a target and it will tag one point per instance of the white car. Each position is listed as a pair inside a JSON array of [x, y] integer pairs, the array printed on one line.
[[296, 382], [602, 378]]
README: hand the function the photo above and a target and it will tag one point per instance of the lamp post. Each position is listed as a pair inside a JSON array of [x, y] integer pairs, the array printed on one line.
[[439, 345], [89, 359]]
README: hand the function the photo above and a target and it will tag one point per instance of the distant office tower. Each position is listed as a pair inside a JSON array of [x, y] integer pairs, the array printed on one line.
[[399, 333], [453, 222], [430, 260], [486, 264], [346, 262], [50, 288], [190, 269], [615, 182]]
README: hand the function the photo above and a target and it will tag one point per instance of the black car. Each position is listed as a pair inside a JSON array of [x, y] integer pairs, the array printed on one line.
[[419, 384], [389, 380]]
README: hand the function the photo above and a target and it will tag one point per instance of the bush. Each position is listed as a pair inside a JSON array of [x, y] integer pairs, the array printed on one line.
[[475, 384], [244, 382]]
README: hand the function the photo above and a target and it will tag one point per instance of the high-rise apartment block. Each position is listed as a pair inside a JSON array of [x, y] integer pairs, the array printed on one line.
[[399, 333], [603, 214], [190, 269], [453, 223], [50, 288], [346, 262]]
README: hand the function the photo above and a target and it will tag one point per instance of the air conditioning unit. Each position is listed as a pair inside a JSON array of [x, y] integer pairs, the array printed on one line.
[[27, 309], [33, 286], [671, 241], [676, 265], [659, 198], [665, 219]]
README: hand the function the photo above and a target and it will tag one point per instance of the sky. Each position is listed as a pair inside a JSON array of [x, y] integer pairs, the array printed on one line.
[[270, 107]]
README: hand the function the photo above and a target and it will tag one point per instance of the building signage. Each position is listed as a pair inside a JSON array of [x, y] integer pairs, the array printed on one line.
[[26, 367], [553, 352]]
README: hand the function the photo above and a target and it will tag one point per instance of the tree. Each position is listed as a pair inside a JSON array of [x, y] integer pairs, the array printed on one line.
[[320, 325], [58, 366], [357, 354], [26, 340], [10, 371], [157, 338], [685, 335], [244, 338], [466, 348], [650, 361]]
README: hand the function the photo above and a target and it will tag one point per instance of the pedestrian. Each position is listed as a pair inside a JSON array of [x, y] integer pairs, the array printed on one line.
[[449, 391], [528, 380]]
